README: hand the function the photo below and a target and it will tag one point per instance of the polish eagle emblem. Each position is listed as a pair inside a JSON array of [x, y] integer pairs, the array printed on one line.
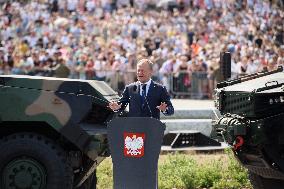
[[134, 144]]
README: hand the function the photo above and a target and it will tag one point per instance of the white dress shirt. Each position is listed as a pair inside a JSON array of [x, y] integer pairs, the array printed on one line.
[[147, 86]]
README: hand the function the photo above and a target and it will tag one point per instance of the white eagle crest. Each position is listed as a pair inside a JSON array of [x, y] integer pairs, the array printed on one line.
[[133, 145]]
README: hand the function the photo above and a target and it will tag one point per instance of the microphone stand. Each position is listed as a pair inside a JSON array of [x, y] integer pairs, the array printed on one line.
[[143, 94]]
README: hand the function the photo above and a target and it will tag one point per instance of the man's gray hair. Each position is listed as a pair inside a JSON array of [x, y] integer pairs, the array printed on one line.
[[148, 61]]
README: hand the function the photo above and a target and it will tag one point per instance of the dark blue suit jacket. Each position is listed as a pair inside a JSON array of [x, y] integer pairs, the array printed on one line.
[[156, 94]]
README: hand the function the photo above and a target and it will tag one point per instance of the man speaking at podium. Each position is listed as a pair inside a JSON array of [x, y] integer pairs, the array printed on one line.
[[145, 97], [135, 149]]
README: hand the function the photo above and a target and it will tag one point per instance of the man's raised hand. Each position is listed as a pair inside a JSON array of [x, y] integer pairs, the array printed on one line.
[[162, 107]]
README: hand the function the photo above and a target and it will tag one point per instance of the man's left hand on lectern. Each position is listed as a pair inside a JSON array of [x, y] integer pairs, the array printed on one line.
[[114, 105]]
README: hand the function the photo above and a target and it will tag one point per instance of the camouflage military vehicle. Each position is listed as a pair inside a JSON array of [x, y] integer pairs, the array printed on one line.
[[252, 121], [52, 132]]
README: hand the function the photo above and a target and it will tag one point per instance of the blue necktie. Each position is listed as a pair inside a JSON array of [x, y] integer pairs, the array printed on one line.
[[143, 95]]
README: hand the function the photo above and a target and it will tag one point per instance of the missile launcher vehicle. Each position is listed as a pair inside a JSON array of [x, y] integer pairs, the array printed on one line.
[[252, 122]]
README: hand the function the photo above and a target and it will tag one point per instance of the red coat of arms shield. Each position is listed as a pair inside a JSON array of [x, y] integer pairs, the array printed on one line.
[[134, 144]]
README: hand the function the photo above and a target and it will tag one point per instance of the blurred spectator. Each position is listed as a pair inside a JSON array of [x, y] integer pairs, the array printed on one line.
[[182, 76], [61, 70], [167, 69], [99, 67]]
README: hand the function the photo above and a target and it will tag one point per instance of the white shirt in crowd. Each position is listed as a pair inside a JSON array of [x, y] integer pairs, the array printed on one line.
[[72, 5], [252, 67], [99, 67]]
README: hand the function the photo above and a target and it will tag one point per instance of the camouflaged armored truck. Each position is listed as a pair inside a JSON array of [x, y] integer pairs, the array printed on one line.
[[252, 121], [52, 132]]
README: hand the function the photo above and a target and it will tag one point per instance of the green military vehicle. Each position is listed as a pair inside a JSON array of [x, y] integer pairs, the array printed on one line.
[[252, 121], [52, 132]]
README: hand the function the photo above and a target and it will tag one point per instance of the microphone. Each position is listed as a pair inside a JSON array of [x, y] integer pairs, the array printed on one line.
[[135, 88], [144, 95]]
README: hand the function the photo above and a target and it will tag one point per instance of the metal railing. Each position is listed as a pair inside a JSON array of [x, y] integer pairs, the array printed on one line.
[[195, 85], [190, 85], [184, 84]]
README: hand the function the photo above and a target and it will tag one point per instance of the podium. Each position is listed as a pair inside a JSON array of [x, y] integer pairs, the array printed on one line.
[[135, 144]]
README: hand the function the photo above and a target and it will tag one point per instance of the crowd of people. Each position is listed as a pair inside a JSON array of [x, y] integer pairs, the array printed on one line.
[[102, 40]]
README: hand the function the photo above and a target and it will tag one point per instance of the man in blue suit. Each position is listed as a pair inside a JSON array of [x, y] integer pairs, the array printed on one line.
[[145, 97]]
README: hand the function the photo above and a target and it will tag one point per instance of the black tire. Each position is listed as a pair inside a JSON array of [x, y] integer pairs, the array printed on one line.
[[29, 160], [258, 182]]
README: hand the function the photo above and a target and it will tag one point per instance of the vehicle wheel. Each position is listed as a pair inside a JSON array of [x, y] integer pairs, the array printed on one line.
[[31, 161], [258, 182]]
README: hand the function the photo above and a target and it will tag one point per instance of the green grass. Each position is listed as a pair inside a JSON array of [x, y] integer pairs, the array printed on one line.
[[190, 171]]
